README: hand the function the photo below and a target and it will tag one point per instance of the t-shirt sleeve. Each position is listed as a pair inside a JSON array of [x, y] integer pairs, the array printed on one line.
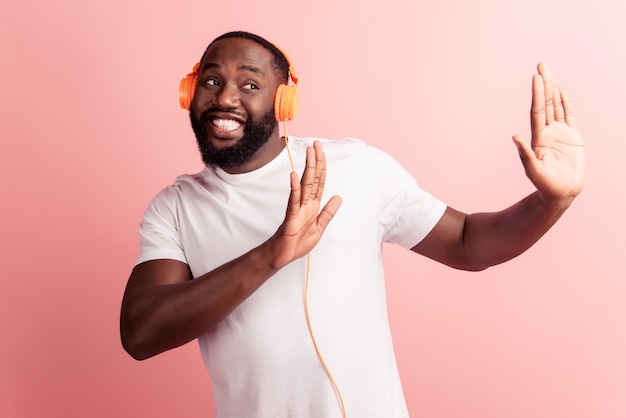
[[159, 235], [408, 213]]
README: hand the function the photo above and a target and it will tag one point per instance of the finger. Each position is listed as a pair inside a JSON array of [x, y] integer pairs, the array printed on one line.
[[526, 154], [559, 112], [328, 212], [567, 109], [293, 204], [308, 176], [538, 106], [320, 172], [548, 87]]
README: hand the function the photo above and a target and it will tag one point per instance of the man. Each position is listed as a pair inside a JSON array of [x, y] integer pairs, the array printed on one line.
[[223, 252]]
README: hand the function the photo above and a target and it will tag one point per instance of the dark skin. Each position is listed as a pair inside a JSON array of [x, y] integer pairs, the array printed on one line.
[[164, 308], [554, 162]]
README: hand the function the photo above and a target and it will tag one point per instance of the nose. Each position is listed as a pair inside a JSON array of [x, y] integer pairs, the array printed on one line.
[[227, 97]]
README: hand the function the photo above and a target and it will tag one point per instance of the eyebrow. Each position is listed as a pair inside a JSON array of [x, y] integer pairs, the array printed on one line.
[[244, 67]]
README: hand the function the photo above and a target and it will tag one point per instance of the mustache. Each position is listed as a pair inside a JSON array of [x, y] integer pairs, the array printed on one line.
[[204, 117]]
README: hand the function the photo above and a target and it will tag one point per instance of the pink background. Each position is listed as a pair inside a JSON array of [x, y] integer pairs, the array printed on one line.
[[91, 130]]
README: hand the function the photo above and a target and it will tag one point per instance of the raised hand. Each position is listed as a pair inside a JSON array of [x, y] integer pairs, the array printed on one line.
[[555, 159], [304, 223]]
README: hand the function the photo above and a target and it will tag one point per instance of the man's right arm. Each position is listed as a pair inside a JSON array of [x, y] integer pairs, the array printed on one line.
[[164, 308]]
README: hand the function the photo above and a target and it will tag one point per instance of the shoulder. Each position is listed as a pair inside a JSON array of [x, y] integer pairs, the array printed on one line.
[[336, 148], [184, 187]]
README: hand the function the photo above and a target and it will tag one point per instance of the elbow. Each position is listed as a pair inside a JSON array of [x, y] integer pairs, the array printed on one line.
[[474, 268], [136, 335], [470, 266], [135, 343], [136, 349], [133, 347], [472, 263]]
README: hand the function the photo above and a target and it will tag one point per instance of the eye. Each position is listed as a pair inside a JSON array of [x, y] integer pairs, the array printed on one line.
[[212, 82], [250, 86]]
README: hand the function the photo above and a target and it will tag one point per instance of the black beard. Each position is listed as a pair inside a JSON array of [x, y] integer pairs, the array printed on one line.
[[255, 135]]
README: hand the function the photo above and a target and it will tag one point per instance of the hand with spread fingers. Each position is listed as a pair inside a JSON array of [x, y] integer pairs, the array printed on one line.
[[304, 223], [555, 159]]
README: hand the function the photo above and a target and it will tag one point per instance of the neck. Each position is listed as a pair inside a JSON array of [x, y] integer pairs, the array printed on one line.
[[264, 155]]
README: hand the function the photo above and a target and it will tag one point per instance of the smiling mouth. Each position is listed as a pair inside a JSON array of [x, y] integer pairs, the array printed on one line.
[[225, 128], [226, 124]]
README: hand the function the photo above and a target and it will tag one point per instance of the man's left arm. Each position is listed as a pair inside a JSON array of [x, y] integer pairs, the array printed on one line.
[[554, 162]]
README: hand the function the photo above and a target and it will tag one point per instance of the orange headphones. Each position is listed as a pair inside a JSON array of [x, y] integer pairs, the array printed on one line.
[[286, 100]]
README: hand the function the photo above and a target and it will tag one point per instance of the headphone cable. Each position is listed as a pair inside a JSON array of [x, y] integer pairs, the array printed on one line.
[[306, 301]]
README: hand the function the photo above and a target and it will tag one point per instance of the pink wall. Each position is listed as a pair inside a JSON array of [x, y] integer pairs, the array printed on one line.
[[91, 130]]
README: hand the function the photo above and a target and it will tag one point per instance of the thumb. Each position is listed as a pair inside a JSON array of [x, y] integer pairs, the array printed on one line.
[[329, 211], [527, 155]]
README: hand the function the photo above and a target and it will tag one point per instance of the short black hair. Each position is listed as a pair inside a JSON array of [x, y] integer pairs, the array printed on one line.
[[279, 61]]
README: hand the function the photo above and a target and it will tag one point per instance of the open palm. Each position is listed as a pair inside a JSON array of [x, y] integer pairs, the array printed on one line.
[[555, 159], [304, 223]]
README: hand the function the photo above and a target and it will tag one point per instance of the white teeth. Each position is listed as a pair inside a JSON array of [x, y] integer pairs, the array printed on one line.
[[226, 124]]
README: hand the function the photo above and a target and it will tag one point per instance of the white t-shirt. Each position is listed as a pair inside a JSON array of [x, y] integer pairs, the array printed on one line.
[[261, 358]]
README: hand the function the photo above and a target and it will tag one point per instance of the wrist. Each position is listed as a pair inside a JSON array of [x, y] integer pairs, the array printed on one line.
[[271, 256], [555, 203]]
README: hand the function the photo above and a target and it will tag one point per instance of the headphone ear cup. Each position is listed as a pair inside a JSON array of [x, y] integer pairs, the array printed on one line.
[[286, 103], [186, 90]]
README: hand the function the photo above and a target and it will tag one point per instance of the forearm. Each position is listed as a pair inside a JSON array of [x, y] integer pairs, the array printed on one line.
[[493, 238], [163, 308], [160, 317]]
